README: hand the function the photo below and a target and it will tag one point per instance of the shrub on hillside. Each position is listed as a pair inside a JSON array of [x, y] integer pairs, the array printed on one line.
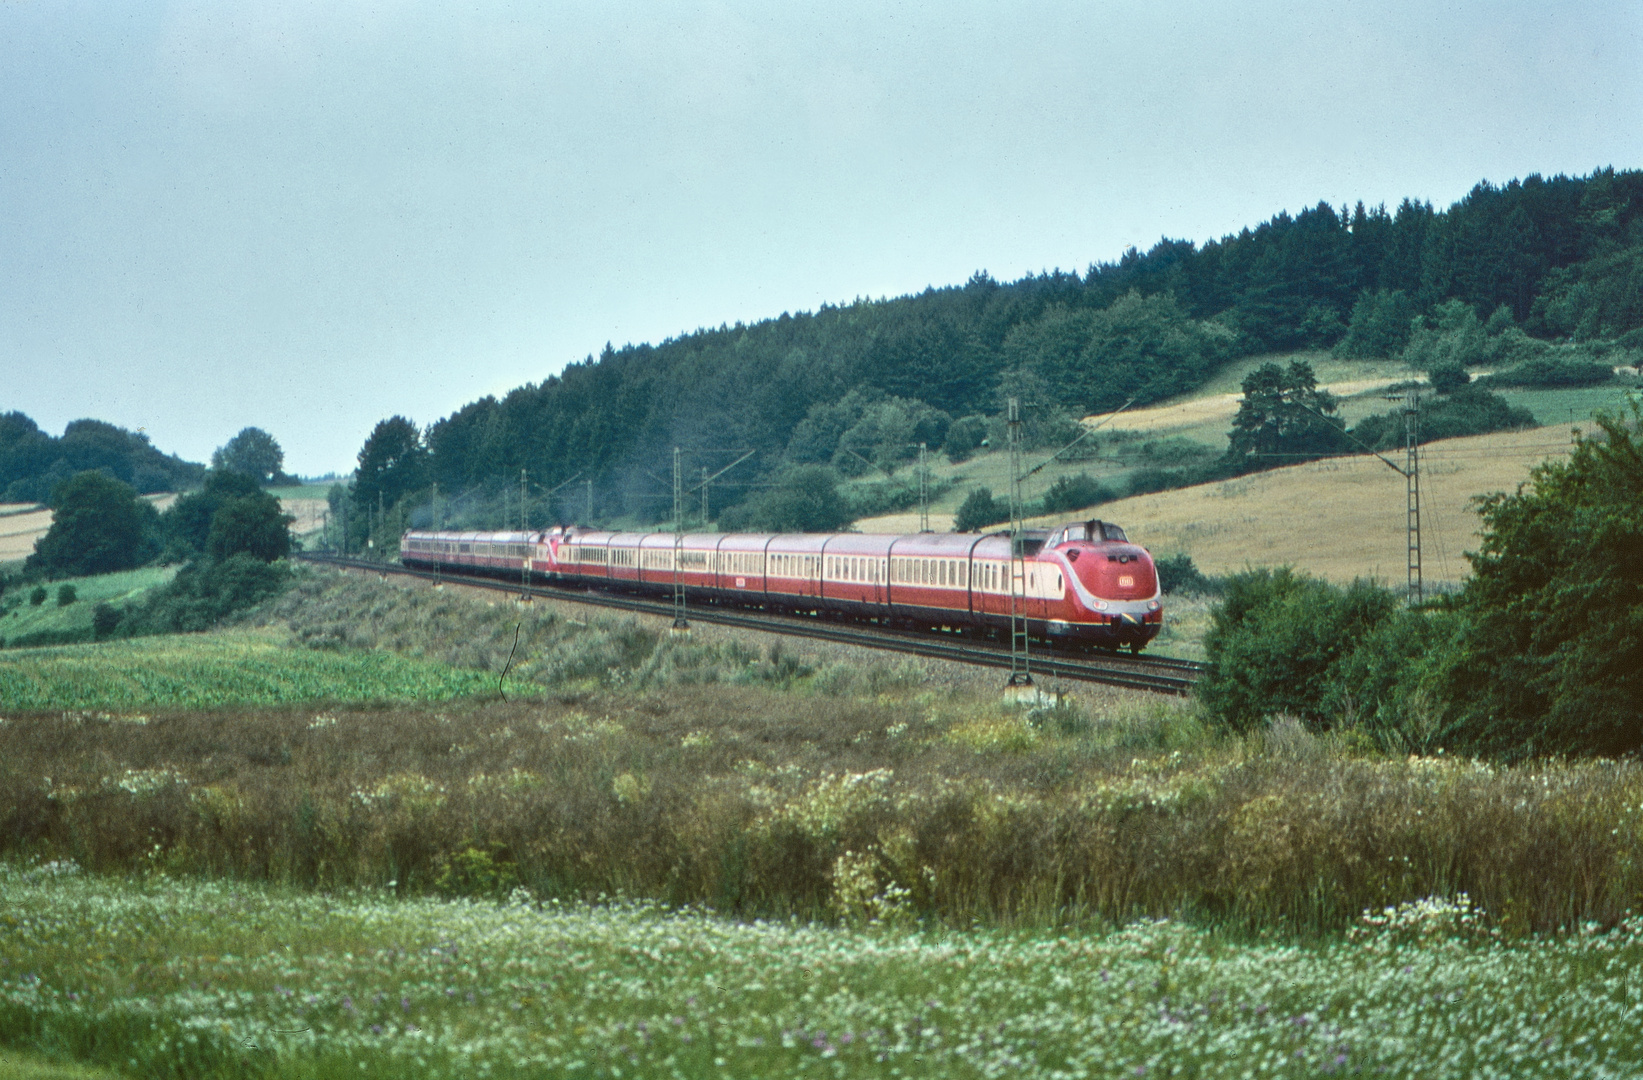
[[1389, 685], [1147, 481], [966, 435], [1276, 640], [1177, 574], [979, 510], [203, 594], [66, 595], [1551, 373], [1076, 493], [1469, 410], [105, 619]]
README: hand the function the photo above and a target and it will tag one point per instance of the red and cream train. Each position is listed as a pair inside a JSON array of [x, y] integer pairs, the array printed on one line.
[[1081, 582]]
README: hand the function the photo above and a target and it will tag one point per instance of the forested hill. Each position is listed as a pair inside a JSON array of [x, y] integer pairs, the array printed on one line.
[[1563, 256], [32, 462]]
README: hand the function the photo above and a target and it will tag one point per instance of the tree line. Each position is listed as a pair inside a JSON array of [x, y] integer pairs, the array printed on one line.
[[1556, 262], [32, 462]]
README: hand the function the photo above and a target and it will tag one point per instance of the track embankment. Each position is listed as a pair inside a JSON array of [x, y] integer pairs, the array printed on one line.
[[1158, 674]]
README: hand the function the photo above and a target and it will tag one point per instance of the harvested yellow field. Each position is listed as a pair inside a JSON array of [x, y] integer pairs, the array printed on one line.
[[19, 531], [1341, 518]]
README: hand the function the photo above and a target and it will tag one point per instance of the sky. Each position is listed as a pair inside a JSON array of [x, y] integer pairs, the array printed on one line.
[[307, 217]]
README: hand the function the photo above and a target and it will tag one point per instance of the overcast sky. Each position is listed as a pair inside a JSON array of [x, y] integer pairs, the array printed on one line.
[[308, 217]]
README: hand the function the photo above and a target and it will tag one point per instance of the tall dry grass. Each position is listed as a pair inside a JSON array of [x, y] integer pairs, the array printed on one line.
[[764, 803]]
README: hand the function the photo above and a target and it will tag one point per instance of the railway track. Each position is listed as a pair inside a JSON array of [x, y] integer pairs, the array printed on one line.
[[1159, 674]]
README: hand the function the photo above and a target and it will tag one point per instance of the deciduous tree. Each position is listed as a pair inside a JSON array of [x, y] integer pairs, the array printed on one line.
[[98, 525]]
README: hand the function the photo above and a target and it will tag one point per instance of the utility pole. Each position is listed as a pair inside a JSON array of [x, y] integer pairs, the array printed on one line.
[[525, 543], [705, 518], [436, 506], [1412, 471], [1020, 664], [590, 502], [923, 490], [679, 620]]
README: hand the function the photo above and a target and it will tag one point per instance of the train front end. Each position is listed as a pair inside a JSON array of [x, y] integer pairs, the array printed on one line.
[[1112, 598]]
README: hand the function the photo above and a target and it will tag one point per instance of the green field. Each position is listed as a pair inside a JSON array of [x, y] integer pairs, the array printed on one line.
[[301, 491], [237, 668], [20, 618], [226, 980], [15, 1066], [1572, 406]]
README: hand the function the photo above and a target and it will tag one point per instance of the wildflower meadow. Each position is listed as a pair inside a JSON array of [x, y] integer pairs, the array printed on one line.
[[200, 979]]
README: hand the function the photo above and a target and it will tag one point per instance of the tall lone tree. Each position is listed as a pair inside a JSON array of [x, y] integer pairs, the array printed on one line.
[[1283, 415], [253, 452]]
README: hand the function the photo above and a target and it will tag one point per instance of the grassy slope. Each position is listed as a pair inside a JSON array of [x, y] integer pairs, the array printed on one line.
[[117, 589], [218, 669], [1340, 519]]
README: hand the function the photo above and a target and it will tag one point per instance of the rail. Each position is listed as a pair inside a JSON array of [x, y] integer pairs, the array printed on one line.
[[1159, 674]]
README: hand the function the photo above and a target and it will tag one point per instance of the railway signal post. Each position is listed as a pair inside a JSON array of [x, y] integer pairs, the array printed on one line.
[[1021, 675], [923, 489], [1412, 471], [680, 623]]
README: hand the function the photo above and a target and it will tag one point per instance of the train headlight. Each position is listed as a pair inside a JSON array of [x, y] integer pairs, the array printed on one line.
[[1152, 605], [1101, 605]]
